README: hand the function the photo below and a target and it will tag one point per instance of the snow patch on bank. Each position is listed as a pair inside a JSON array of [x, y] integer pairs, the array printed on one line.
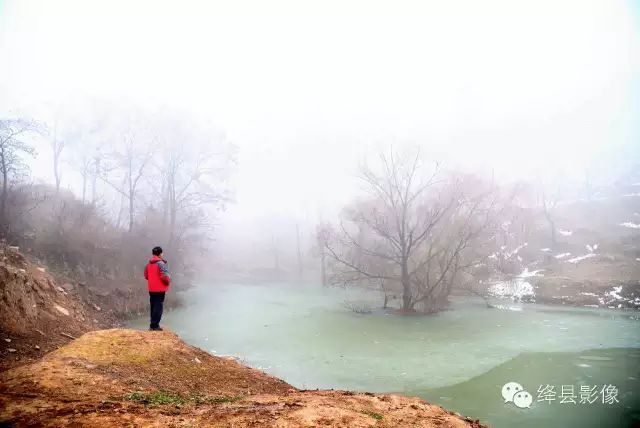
[[514, 289], [506, 254], [517, 288], [615, 293], [584, 293], [580, 258], [630, 225], [613, 298]]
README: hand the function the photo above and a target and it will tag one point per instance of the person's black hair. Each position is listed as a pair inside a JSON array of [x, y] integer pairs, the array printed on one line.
[[156, 251]]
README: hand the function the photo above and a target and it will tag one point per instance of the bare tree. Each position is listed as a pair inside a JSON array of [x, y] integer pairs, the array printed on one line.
[[95, 174], [323, 232], [130, 164], [415, 230], [57, 147], [86, 159], [85, 166], [191, 180], [551, 188], [13, 146], [549, 202], [389, 288], [457, 243]]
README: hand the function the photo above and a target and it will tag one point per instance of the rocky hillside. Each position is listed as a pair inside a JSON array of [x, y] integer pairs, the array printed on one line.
[[593, 260], [132, 378]]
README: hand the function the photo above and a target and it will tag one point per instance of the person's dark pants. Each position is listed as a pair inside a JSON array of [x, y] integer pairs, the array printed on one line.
[[156, 301]]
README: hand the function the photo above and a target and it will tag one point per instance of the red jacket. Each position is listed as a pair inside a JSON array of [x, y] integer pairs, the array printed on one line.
[[157, 274]]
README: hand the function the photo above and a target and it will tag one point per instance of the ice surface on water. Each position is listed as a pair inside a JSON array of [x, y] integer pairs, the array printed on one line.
[[311, 339]]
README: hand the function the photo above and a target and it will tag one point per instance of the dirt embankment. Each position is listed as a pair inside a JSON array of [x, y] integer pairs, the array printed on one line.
[[131, 378], [37, 314], [41, 310]]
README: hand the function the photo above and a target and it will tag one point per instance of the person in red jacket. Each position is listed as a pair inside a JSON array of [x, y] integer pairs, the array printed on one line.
[[157, 274]]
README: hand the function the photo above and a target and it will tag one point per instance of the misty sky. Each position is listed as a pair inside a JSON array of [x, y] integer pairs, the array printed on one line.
[[306, 90]]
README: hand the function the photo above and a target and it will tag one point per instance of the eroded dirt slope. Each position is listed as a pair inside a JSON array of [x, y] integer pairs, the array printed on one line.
[[36, 313]]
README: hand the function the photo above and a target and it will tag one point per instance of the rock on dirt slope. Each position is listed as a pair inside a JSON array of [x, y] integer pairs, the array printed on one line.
[[131, 378]]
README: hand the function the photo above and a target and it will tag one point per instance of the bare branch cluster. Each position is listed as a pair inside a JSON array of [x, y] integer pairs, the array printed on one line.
[[415, 234]]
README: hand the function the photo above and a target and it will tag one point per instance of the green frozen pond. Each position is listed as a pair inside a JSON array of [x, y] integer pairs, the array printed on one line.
[[459, 358]]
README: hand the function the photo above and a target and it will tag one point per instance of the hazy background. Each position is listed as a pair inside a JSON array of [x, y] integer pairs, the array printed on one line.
[[306, 90]]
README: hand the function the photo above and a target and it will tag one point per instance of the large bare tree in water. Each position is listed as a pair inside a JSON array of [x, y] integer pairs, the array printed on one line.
[[417, 230]]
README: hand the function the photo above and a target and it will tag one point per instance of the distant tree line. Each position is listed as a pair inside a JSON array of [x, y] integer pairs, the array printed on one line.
[[145, 179]]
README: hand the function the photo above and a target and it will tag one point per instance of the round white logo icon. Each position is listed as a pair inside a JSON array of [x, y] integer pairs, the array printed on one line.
[[513, 392], [509, 390], [522, 400]]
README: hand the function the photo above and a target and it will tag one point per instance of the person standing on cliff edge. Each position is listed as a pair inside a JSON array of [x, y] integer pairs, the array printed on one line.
[[157, 275]]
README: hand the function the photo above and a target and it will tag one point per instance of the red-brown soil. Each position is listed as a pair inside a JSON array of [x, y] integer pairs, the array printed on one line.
[[131, 378]]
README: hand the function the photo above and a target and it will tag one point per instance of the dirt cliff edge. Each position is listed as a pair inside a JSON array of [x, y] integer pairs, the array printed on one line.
[[124, 377]]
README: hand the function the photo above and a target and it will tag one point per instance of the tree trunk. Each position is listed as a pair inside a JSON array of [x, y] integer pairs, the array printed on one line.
[[94, 184], [165, 204], [4, 223], [173, 207], [57, 150], [131, 207], [84, 188], [130, 215], [552, 225], [3, 200], [406, 287], [56, 172], [172, 224], [132, 192], [120, 212]]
